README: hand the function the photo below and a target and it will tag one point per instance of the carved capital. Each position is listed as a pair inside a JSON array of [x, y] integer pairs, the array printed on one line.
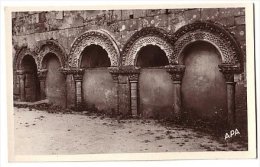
[[42, 74], [114, 71], [77, 73], [228, 71], [176, 71], [20, 74], [133, 77]]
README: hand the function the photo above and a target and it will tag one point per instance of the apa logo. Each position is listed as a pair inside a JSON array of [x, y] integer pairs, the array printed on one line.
[[231, 134]]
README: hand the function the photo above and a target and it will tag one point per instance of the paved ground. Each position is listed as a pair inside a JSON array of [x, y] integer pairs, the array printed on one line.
[[40, 132]]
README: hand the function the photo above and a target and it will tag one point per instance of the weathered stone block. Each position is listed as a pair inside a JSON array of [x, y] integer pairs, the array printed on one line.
[[209, 14], [226, 21], [191, 15], [139, 13], [117, 15], [132, 25], [175, 11], [240, 20], [59, 15], [239, 32], [161, 21], [148, 21], [126, 14], [42, 17], [153, 12], [226, 12]]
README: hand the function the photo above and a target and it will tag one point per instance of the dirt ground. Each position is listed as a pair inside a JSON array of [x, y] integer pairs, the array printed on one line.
[[39, 132]]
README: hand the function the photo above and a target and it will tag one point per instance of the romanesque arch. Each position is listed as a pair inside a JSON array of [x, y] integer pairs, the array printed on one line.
[[231, 61], [93, 37], [26, 80], [17, 63], [51, 46], [213, 33], [144, 37], [50, 59]]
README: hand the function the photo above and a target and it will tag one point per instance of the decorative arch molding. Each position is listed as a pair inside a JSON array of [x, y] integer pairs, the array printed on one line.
[[17, 63], [93, 37], [51, 46], [144, 37], [213, 33]]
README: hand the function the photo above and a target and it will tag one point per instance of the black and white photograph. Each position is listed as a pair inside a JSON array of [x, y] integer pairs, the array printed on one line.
[[115, 81]]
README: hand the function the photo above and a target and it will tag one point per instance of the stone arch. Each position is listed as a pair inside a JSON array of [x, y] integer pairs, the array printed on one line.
[[17, 64], [213, 33], [51, 46], [96, 37], [144, 37]]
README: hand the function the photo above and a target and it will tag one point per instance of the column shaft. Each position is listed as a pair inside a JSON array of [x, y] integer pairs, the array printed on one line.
[[22, 87], [78, 92], [231, 104], [42, 74], [176, 72], [229, 71], [134, 103], [42, 87], [177, 98]]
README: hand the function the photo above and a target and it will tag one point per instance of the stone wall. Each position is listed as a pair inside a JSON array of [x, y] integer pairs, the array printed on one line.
[[125, 29], [30, 28]]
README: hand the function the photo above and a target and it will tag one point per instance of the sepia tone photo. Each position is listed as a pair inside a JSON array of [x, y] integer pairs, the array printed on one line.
[[111, 81]]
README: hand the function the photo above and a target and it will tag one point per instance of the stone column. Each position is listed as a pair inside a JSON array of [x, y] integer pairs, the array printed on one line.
[[114, 71], [70, 87], [126, 78], [228, 72], [133, 79], [42, 74], [21, 76], [176, 72], [78, 76]]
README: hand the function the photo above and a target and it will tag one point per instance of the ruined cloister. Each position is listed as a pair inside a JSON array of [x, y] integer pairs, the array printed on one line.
[[154, 74]]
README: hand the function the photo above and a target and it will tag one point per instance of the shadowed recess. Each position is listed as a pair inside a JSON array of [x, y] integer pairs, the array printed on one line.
[[94, 56], [32, 84], [151, 56]]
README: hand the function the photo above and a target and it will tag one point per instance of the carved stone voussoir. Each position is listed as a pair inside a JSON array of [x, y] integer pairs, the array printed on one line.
[[93, 38]]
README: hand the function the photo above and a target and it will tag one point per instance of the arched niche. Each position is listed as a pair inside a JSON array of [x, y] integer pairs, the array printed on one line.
[[31, 85], [93, 37], [94, 56], [55, 81], [142, 38], [203, 86], [229, 49], [151, 56], [53, 47]]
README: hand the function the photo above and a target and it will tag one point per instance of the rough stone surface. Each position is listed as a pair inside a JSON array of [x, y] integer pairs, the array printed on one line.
[[31, 29]]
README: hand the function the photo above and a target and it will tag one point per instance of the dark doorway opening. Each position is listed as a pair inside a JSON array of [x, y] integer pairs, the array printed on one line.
[[151, 56], [32, 84], [94, 56]]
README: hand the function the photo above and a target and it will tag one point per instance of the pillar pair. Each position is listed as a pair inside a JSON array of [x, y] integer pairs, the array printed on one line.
[[228, 72], [77, 75], [126, 80], [177, 71]]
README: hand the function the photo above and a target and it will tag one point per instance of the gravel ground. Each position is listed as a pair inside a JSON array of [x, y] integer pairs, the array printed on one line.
[[39, 132]]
